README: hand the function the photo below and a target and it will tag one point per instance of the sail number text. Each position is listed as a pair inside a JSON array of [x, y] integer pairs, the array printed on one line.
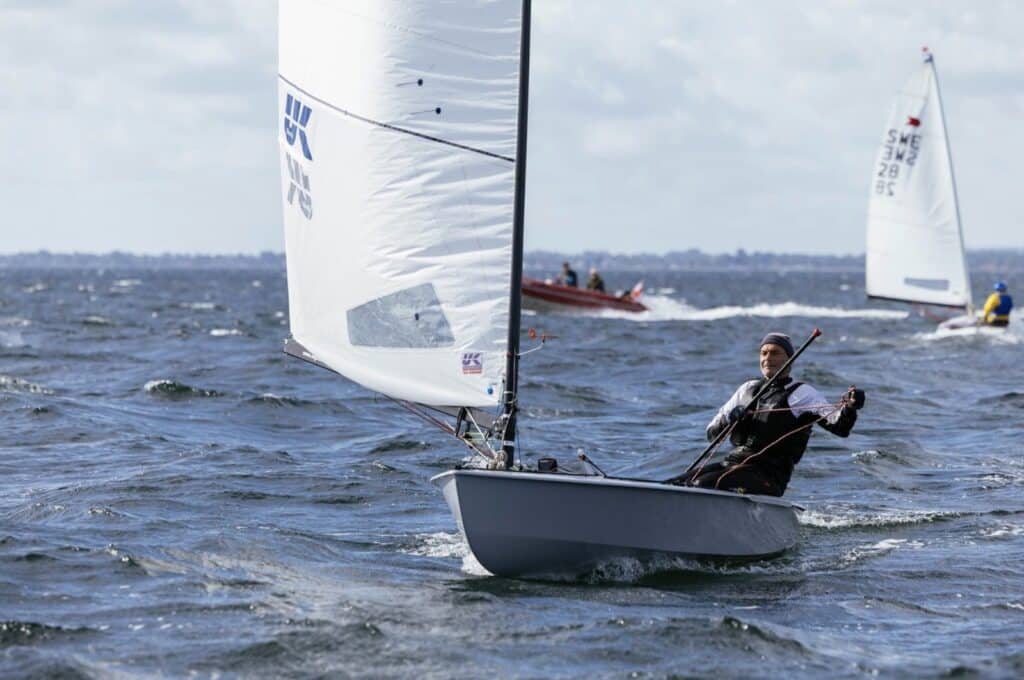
[[899, 151]]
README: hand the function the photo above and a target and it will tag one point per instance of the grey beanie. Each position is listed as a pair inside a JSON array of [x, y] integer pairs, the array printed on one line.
[[779, 339]]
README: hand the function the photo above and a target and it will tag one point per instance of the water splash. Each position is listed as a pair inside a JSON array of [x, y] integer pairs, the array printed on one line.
[[668, 309]]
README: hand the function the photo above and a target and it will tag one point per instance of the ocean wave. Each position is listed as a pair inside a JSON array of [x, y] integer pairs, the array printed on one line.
[[445, 545], [439, 544], [13, 632], [1003, 336], [97, 320], [278, 400], [762, 634], [847, 519], [9, 384], [11, 339], [224, 332], [878, 549], [201, 306], [14, 322], [171, 388], [1002, 531], [668, 309]]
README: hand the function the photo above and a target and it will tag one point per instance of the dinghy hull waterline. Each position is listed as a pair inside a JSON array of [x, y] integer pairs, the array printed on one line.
[[536, 524]]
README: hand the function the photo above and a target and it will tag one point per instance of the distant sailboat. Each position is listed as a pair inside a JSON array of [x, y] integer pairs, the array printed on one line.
[[915, 247], [403, 158]]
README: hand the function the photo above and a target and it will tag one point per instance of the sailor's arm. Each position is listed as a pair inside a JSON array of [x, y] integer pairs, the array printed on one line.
[[721, 419], [839, 421], [990, 304]]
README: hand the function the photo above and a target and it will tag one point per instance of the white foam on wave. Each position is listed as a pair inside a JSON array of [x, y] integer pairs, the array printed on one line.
[[224, 332], [661, 308], [11, 339], [1012, 335], [882, 547], [154, 385], [201, 306], [1004, 531], [845, 519], [9, 384], [448, 546]]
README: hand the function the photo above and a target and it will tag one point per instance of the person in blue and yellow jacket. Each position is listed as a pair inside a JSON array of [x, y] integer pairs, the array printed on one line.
[[997, 307]]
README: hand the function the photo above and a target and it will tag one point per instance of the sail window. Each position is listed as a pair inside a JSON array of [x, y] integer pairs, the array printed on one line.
[[411, 318], [930, 284]]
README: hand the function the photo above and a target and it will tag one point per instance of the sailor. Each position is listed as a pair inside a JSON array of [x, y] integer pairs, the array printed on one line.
[[568, 276], [997, 307], [770, 439], [595, 282]]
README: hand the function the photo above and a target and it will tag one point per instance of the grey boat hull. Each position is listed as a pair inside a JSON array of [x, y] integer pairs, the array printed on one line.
[[535, 524]]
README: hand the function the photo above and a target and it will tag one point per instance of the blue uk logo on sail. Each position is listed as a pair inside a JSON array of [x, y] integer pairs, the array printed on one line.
[[296, 118], [472, 363], [299, 187]]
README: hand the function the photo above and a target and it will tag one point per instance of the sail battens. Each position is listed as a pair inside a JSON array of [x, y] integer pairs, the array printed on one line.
[[914, 235]]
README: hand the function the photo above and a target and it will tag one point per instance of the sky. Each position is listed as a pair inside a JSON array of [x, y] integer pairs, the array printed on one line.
[[655, 125]]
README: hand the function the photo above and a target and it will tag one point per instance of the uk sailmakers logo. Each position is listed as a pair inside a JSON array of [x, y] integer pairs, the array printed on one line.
[[296, 119], [472, 363]]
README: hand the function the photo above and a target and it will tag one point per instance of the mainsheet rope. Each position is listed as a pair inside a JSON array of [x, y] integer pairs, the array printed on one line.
[[834, 407]]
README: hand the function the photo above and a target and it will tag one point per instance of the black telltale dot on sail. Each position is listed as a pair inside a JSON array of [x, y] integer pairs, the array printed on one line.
[[416, 316]]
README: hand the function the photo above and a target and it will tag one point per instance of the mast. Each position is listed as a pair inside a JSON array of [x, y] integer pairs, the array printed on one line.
[[509, 407], [930, 58]]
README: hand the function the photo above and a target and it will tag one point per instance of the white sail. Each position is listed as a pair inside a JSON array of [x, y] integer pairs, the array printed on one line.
[[398, 130], [914, 240]]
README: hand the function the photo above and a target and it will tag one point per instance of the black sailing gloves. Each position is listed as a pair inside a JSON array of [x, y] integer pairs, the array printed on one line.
[[851, 402], [738, 414]]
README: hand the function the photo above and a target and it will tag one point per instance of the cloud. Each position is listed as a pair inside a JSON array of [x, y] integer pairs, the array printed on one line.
[[654, 126]]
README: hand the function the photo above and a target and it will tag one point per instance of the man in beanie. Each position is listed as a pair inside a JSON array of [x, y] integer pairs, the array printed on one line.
[[770, 437]]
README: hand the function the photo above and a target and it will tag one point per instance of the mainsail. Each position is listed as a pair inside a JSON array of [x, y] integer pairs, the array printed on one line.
[[399, 123], [915, 247]]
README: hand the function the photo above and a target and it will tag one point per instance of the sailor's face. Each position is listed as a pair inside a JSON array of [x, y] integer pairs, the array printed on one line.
[[772, 359]]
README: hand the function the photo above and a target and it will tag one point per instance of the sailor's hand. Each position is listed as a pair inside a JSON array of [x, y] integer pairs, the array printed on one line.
[[736, 415], [855, 398]]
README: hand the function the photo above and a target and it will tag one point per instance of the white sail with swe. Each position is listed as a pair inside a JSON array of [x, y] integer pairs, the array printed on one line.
[[915, 247]]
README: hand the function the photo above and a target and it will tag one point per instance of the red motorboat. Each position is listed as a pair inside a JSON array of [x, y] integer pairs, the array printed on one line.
[[544, 296]]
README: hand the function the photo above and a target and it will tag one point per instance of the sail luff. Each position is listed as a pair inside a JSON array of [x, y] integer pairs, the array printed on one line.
[[518, 217], [952, 175]]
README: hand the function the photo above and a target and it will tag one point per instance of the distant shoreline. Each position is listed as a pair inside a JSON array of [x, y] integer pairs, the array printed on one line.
[[1002, 261]]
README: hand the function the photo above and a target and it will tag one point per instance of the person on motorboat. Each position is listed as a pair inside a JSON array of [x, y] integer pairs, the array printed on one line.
[[568, 276], [770, 439], [996, 311], [595, 282]]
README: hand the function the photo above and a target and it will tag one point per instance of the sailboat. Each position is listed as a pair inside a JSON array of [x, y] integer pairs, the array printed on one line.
[[403, 129], [915, 244]]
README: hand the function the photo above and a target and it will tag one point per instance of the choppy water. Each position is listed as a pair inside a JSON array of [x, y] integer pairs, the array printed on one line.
[[177, 496]]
